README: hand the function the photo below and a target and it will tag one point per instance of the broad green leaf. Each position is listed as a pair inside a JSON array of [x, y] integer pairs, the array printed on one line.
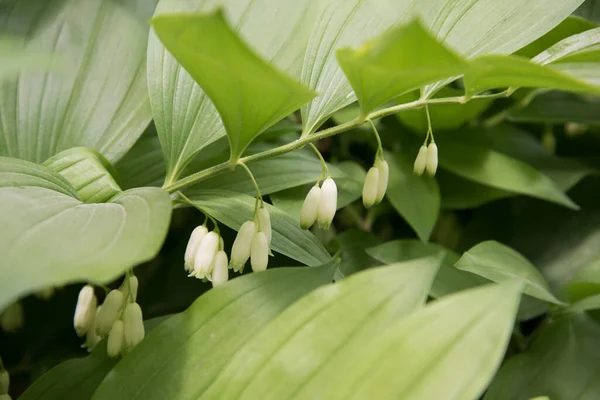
[[350, 246], [500, 263], [488, 167], [590, 9], [177, 359], [457, 364], [379, 70], [249, 93], [586, 282], [586, 304], [300, 352], [98, 98], [233, 209], [18, 58], [186, 119], [562, 364], [78, 378], [559, 107], [88, 172], [51, 238], [143, 165], [572, 45], [459, 194], [448, 279]]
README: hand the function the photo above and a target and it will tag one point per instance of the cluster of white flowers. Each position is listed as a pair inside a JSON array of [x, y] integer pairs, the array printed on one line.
[[252, 242], [319, 205], [12, 318], [119, 317], [427, 159], [375, 183], [205, 257], [4, 385]]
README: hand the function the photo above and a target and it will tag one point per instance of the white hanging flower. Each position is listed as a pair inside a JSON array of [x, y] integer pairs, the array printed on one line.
[[432, 159], [4, 382], [193, 245], [109, 312], [420, 161], [240, 252], [133, 284], [115, 339], [327, 203], [310, 208], [205, 256], [384, 172], [220, 273], [264, 220], [85, 311], [259, 257], [369, 193], [133, 325], [91, 338]]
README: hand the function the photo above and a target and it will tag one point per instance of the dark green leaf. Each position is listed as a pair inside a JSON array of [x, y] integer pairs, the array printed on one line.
[[559, 107], [143, 165], [352, 245]]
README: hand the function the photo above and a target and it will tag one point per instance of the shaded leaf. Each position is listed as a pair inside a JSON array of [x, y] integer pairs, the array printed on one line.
[[459, 194], [143, 165], [351, 248], [559, 107]]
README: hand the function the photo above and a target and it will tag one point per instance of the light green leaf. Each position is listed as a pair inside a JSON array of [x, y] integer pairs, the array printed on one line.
[[248, 92], [18, 58], [233, 209], [586, 304], [78, 378], [416, 198], [491, 168], [99, 97], [500, 263], [448, 279], [562, 364], [143, 165], [588, 40], [51, 238], [20, 173], [585, 282], [88, 172], [380, 71], [180, 356], [185, 117]]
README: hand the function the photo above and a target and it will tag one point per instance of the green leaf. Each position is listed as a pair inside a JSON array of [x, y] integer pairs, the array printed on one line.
[[459, 194], [143, 165], [186, 119], [500, 263], [88, 172], [233, 209], [416, 198], [99, 98], [248, 92], [18, 58], [559, 107], [448, 279], [300, 353], [51, 238], [562, 364], [78, 378], [351, 248], [585, 282], [491, 168], [572, 45], [180, 356], [590, 9], [380, 71]]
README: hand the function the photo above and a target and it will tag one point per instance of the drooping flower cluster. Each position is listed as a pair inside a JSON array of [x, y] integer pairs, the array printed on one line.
[[319, 205], [252, 242], [12, 318], [119, 317], [205, 257], [427, 160], [375, 183]]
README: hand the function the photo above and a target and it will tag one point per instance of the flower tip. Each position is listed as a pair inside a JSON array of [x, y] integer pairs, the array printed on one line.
[[420, 161], [432, 159], [369, 193]]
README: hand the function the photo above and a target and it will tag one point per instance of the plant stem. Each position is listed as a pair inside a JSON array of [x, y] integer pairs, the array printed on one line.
[[324, 167], [258, 195]]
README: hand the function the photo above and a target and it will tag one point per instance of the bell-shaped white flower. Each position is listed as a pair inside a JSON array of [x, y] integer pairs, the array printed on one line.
[[264, 222], [327, 203], [132, 284], [91, 338], [193, 245], [220, 272], [421, 161], [13, 318], [85, 311], [240, 251], [369, 193], [109, 312], [432, 159], [259, 257], [384, 172], [205, 256], [114, 344], [310, 208], [4, 382], [133, 325]]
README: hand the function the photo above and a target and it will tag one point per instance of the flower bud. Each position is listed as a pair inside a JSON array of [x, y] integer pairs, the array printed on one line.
[[310, 208], [4, 382], [369, 193], [13, 317], [420, 161], [115, 339], [260, 252], [432, 159], [131, 283], [384, 171], [220, 273], [264, 220], [109, 312], [327, 203], [240, 252], [91, 338], [205, 256], [85, 311], [133, 325], [193, 245]]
